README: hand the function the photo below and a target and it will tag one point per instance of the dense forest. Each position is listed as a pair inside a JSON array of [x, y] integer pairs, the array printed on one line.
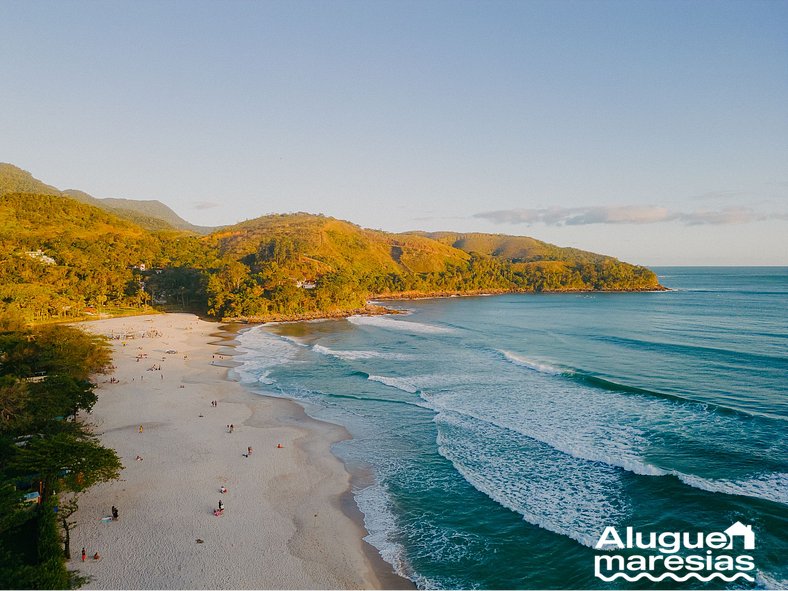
[[63, 259], [47, 457]]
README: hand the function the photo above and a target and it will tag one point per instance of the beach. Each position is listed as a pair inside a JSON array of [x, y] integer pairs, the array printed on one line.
[[166, 408]]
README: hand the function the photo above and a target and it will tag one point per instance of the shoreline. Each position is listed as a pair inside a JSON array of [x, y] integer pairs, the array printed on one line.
[[286, 523], [374, 309], [384, 571], [435, 295]]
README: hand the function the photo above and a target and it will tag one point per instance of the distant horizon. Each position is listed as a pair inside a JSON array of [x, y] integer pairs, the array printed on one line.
[[655, 132]]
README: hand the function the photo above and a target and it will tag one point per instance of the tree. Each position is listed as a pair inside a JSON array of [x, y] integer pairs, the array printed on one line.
[[64, 513], [74, 459]]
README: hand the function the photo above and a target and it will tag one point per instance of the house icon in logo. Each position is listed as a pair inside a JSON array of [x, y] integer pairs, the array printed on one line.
[[745, 531]]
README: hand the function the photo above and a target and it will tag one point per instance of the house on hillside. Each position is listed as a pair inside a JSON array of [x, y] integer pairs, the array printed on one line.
[[39, 256], [40, 376]]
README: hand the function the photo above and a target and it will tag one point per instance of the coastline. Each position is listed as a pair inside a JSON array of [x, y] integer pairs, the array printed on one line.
[[384, 571], [286, 523], [434, 295], [373, 308]]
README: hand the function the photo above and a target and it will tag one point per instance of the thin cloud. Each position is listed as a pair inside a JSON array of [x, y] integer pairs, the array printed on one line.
[[205, 205], [626, 214], [719, 195]]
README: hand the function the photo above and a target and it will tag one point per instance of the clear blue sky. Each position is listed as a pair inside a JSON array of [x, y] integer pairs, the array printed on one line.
[[653, 131]]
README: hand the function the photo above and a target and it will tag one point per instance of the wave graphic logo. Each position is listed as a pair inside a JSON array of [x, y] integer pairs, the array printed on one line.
[[679, 556]]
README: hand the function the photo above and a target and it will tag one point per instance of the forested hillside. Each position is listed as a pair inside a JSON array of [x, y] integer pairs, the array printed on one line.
[[301, 264], [150, 214], [61, 259]]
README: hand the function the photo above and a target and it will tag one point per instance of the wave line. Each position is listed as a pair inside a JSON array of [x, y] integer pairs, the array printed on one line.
[[675, 577]]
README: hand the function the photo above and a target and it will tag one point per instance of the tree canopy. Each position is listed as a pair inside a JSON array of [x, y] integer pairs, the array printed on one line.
[[44, 448]]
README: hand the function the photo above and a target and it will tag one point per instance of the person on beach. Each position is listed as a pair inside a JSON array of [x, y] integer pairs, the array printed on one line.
[[222, 489], [221, 505], [141, 429], [114, 513], [248, 451], [96, 556], [84, 554]]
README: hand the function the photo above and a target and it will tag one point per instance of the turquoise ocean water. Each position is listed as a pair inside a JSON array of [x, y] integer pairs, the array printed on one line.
[[495, 437]]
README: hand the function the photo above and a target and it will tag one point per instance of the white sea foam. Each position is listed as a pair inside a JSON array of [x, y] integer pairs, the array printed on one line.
[[265, 379], [261, 352], [295, 340], [553, 420], [612, 429], [418, 383], [400, 383], [530, 363], [772, 486], [381, 525], [350, 355], [556, 492], [764, 581], [403, 325]]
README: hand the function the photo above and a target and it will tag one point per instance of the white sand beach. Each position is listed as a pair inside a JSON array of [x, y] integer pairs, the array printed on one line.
[[283, 526]]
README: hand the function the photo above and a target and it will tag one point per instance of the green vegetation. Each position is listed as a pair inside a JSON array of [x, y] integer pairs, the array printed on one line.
[[44, 449], [16, 180], [300, 264], [149, 214], [60, 257], [66, 260]]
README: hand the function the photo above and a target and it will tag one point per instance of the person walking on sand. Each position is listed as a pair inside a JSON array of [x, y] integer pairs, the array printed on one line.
[[84, 554], [114, 513], [221, 505], [141, 429], [249, 451]]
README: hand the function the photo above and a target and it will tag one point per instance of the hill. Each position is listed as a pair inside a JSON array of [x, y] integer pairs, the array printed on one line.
[[62, 256], [16, 180], [518, 249], [59, 256], [294, 264], [324, 244], [150, 214]]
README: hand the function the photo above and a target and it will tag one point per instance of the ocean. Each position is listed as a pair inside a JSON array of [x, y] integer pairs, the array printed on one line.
[[495, 438]]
